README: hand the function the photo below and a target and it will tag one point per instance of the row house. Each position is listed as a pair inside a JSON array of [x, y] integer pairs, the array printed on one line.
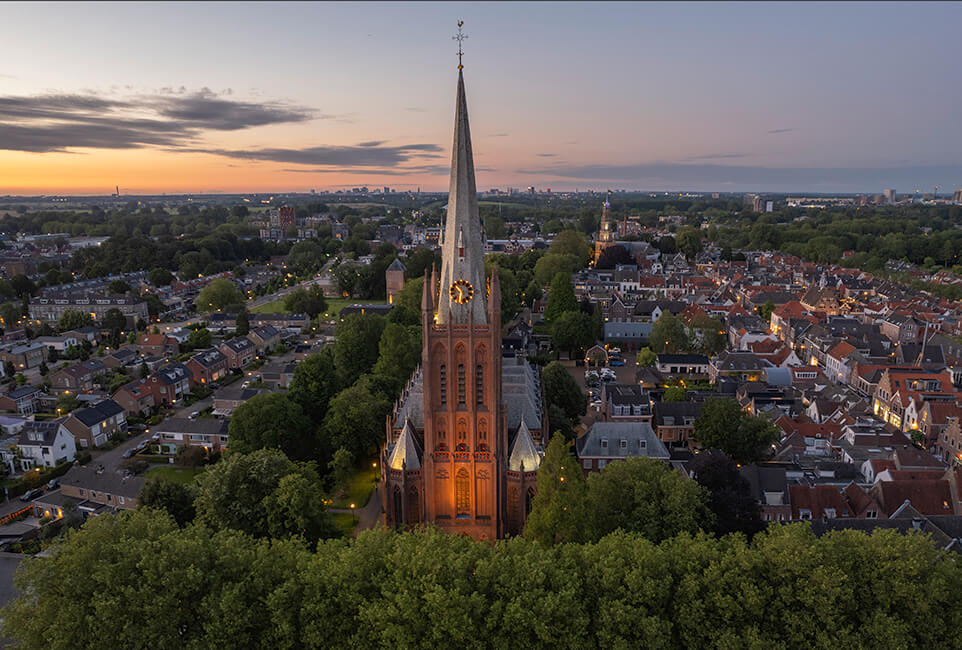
[[51, 306], [264, 338], [207, 367], [683, 365], [898, 386], [78, 377], [96, 489], [209, 433], [674, 423], [901, 328], [239, 351], [744, 366], [625, 403]]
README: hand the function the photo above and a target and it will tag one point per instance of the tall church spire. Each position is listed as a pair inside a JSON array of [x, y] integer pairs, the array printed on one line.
[[462, 292]]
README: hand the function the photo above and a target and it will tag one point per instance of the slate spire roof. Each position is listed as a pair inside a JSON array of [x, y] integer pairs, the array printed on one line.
[[523, 451]]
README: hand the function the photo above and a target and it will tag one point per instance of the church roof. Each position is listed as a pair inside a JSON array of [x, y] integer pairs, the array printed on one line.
[[462, 248], [397, 265], [523, 452], [405, 454]]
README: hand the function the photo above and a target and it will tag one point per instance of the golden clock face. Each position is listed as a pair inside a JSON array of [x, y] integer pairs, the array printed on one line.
[[461, 291]]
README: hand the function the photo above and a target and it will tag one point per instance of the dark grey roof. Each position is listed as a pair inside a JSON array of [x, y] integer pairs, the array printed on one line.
[[23, 391], [236, 393], [209, 358], [101, 480], [693, 359], [39, 433], [171, 373], [676, 410], [625, 394], [98, 412], [639, 437], [239, 344], [200, 425], [397, 265]]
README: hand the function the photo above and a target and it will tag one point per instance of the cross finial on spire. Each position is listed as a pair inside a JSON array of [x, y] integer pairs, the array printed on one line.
[[460, 39]]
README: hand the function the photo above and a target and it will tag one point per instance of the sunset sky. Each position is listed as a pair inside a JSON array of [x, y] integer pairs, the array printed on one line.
[[237, 97]]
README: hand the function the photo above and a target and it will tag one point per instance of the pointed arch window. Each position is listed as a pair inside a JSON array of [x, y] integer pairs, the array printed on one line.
[[479, 383], [444, 384], [462, 493], [461, 385]]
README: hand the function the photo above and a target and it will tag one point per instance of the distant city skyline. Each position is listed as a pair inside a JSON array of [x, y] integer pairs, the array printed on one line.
[[256, 97]]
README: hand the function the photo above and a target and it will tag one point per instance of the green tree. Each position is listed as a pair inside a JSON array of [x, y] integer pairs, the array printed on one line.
[[66, 403], [410, 296], [356, 346], [561, 389], [273, 421], [689, 242], [355, 419], [118, 286], [177, 499], [572, 331], [561, 297], [765, 311], [571, 242], [558, 511], [341, 468], [917, 437], [314, 384], [550, 265], [10, 314], [72, 320], [306, 301], [200, 339], [219, 294], [723, 425], [144, 370], [675, 394], [646, 496], [729, 494], [114, 320], [243, 326], [399, 352], [160, 277], [668, 335], [646, 357], [710, 334], [294, 509]]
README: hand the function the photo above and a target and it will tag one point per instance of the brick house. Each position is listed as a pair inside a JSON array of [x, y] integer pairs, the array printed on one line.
[[606, 442], [137, 397], [26, 356], [675, 422], [264, 338], [97, 490], [239, 351], [207, 367], [169, 383], [209, 433], [157, 345], [21, 400], [78, 377], [93, 426]]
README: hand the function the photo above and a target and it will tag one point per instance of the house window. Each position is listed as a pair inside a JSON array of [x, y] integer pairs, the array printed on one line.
[[82, 491], [122, 500], [623, 443], [871, 514], [602, 463], [830, 513], [805, 514], [586, 464], [461, 388], [604, 443]]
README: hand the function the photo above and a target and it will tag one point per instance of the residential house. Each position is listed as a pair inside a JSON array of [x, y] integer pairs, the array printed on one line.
[[813, 502], [26, 356], [239, 351], [45, 444], [744, 366], [675, 423], [625, 403], [157, 345], [226, 400], [169, 383], [207, 367], [209, 433], [22, 400], [78, 378], [606, 442], [264, 338], [137, 397], [901, 328], [97, 490], [93, 426], [769, 487], [126, 356]]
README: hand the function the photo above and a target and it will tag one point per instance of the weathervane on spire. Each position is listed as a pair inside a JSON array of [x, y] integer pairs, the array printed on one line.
[[460, 39]]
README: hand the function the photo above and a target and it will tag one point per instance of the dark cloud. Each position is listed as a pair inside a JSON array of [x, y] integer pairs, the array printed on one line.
[[366, 154], [173, 118], [783, 130], [661, 175]]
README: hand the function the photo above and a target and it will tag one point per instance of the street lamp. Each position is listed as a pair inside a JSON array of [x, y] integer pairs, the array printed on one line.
[[353, 516]]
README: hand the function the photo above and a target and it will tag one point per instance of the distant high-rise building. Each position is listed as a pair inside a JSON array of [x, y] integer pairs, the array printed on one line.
[[286, 216], [606, 237], [889, 196], [957, 196], [757, 204]]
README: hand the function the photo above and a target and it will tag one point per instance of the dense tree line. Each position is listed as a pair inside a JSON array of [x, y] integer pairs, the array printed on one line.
[[139, 580]]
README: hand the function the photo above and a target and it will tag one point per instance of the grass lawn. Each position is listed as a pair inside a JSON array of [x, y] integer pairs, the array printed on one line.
[[359, 487], [184, 475], [345, 521], [272, 307], [335, 305]]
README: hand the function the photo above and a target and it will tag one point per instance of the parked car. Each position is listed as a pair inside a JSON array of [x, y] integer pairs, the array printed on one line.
[[194, 415], [130, 452], [142, 445], [617, 361], [30, 495], [53, 484]]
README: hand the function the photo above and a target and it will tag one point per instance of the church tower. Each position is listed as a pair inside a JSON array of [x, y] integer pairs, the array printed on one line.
[[606, 237], [465, 445]]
